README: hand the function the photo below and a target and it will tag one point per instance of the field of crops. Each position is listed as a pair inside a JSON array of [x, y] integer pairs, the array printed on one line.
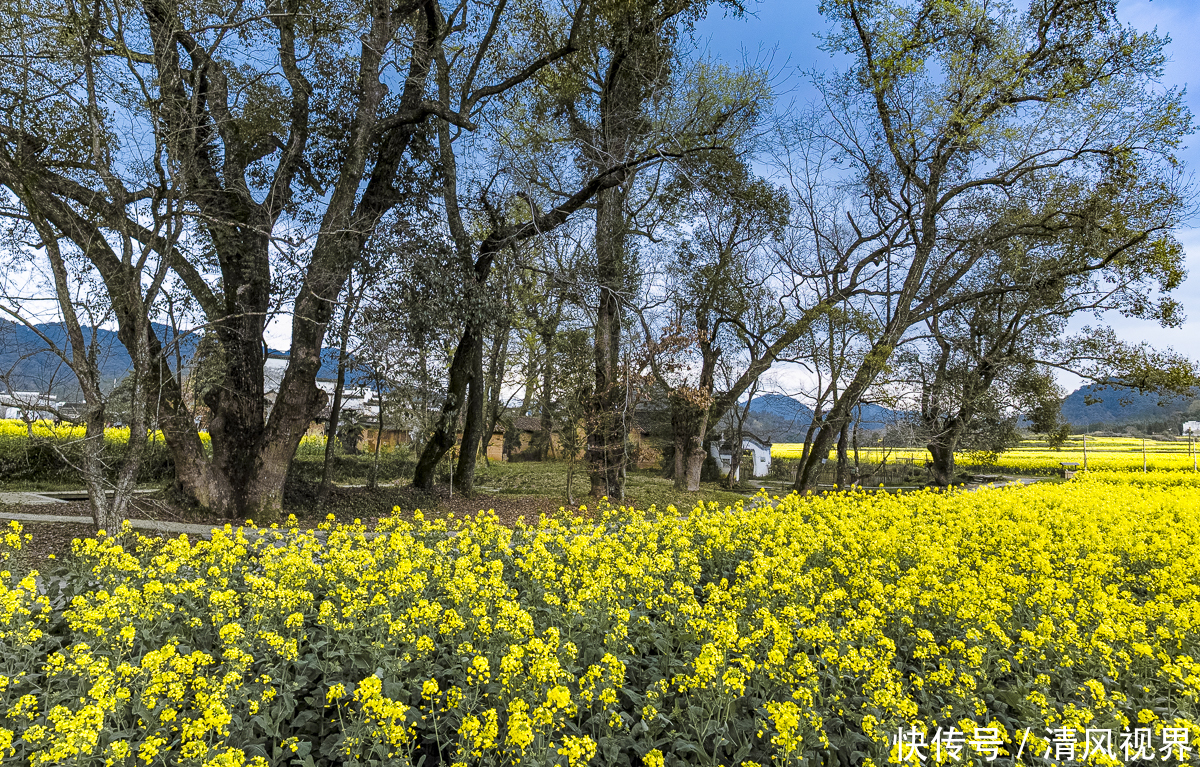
[[17, 430], [1035, 457], [53, 453], [811, 631]]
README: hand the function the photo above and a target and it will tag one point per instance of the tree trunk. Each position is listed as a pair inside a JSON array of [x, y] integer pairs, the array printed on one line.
[[107, 514], [843, 457], [881, 351], [93, 474], [443, 437], [462, 363], [680, 440], [606, 442], [808, 435], [696, 454], [262, 500], [378, 435], [854, 446], [331, 426], [806, 478], [942, 463], [495, 379], [942, 448], [464, 474], [251, 453], [139, 425], [690, 425], [529, 388], [545, 443], [734, 477], [841, 412], [424, 421], [335, 410], [571, 466]]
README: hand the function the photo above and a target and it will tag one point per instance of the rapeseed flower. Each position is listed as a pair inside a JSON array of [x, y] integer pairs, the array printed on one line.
[[847, 618]]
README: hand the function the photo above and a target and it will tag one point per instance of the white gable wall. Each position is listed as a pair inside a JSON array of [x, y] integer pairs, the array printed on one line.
[[762, 457], [760, 453]]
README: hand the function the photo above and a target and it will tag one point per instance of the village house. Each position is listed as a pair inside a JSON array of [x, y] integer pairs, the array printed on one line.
[[363, 401], [758, 450], [526, 428]]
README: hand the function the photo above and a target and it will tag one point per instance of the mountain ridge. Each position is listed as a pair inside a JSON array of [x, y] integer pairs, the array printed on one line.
[[781, 418], [29, 365], [1115, 406]]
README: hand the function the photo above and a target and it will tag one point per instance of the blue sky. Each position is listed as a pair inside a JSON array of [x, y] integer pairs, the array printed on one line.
[[783, 30]]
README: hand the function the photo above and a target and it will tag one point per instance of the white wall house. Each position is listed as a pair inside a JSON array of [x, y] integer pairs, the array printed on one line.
[[27, 405], [360, 398], [1191, 428], [760, 452]]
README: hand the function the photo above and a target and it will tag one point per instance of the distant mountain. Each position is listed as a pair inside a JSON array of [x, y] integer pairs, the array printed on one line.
[[1118, 407], [781, 406], [780, 418], [28, 365]]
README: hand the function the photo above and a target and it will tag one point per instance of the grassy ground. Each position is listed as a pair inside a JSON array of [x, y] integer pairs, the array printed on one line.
[[354, 469], [643, 487]]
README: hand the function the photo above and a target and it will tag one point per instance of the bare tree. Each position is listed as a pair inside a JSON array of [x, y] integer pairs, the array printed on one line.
[[960, 132], [290, 141], [720, 301], [623, 56], [120, 219]]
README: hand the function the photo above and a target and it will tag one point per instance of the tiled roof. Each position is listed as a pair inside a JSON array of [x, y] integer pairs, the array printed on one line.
[[527, 423]]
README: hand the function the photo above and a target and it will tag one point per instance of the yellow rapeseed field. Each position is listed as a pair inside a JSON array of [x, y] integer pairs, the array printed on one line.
[[17, 430], [11, 428], [44, 452], [1035, 457], [851, 628]]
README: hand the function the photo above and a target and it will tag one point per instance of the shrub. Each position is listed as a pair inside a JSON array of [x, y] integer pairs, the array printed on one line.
[[394, 463], [807, 633], [54, 451]]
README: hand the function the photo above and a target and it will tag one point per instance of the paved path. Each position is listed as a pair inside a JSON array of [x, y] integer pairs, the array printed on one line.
[[138, 524], [28, 499], [38, 499]]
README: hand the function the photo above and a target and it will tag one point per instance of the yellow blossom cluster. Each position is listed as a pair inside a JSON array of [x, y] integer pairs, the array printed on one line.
[[803, 630], [1036, 457], [16, 429]]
